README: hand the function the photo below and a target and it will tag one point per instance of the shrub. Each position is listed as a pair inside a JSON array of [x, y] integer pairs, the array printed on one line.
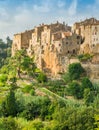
[[41, 77], [85, 57], [27, 88], [3, 78], [86, 83], [9, 105], [75, 90], [88, 96], [8, 124], [32, 92], [75, 71]]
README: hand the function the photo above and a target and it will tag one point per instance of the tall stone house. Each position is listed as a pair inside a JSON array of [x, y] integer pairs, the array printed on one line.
[[52, 44], [89, 30]]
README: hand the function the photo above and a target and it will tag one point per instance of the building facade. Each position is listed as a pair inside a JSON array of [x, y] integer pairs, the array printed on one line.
[[89, 30], [53, 44]]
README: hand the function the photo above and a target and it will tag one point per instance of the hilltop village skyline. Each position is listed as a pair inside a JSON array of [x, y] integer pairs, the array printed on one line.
[[52, 44]]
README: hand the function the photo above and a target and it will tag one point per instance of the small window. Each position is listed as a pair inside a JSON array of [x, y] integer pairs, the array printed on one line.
[[59, 44], [66, 42], [68, 52], [74, 51]]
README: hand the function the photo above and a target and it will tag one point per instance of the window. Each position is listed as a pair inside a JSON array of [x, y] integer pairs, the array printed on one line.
[[66, 42], [74, 51]]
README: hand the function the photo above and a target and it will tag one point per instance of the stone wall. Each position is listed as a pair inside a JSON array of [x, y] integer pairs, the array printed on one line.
[[21, 41], [89, 30]]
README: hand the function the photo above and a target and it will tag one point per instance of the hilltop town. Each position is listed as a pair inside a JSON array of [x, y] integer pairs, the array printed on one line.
[[57, 45]]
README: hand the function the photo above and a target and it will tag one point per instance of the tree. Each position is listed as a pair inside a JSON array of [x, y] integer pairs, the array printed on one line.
[[9, 45], [22, 62], [10, 106], [32, 110], [75, 71], [86, 83], [75, 90], [41, 77]]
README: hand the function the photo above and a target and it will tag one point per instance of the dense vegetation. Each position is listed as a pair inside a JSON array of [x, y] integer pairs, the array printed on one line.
[[30, 101]]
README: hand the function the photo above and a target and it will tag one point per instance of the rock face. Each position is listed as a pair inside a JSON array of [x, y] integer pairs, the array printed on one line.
[[54, 44]]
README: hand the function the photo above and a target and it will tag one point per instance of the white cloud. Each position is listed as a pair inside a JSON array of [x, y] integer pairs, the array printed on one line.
[[25, 17], [73, 8], [44, 7]]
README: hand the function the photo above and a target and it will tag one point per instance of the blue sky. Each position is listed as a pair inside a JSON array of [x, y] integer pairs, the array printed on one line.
[[20, 15]]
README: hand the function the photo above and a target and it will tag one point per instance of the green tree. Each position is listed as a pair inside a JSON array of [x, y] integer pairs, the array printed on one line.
[[9, 45], [75, 89], [41, 77], [23, 63], [75, 71], [10, 106], [86, 83]]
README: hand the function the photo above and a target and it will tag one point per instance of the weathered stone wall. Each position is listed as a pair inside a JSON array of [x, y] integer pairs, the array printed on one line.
[[89, 30], [21, 41], [16, 43]]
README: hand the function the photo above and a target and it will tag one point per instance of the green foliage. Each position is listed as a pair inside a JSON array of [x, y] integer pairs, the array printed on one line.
[[97, 121], [85, 57], [66, 78], [27, 88], [22, 63], [8, 124], [32, 92], [75, 119], [9, 106], [35, 125], [41, 77], [75, 71], [3, 78], [5, 50], [75, 89], [86, 83], [88, 96]]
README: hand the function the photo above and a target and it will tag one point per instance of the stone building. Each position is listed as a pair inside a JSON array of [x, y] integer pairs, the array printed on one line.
[[21, 41], [89, 30], [54, 44], [50, 44]]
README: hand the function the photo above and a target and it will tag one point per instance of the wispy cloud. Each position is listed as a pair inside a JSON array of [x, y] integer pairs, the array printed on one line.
[[73, 8], [19, 17]]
